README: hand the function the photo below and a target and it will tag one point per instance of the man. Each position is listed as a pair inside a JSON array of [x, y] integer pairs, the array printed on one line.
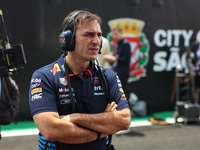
[[121, 60], [95, 117], [195, 48]]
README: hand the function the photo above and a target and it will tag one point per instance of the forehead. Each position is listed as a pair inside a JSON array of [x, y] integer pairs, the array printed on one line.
[[115, 31], [89, 26]]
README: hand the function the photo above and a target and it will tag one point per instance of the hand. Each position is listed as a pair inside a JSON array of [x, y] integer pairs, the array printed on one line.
[[103, 135], [111, 107], [109, 58], [65, 117]]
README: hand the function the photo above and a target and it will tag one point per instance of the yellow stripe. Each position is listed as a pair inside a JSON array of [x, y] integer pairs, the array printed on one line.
[[8, 60], [1, 12], [37, 90]]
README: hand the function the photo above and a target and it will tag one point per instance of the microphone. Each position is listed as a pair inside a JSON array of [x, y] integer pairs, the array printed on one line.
[[100, 46]]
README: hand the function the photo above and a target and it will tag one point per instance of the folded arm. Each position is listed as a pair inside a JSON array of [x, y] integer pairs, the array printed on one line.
[[59, 128], [108, 122], [54, 128]]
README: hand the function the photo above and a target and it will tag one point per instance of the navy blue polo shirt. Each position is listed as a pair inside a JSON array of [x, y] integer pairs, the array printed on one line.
[[49, 93]]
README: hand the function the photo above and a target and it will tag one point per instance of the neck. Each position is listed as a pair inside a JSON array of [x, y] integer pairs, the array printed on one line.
[[75, 65], [119, 40]]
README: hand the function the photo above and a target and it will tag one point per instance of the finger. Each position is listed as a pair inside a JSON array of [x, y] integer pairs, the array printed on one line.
[[112, 104], [108, 108], [114, 107]]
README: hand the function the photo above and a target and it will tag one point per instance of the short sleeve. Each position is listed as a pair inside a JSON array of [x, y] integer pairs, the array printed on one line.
[[116, 92], [42, 96]]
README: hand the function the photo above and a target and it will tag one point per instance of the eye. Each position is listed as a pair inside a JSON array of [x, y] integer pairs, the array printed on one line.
[[99, 35], [90, 34]]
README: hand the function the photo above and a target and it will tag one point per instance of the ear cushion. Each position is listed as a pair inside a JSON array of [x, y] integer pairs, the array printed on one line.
[[67, 40]]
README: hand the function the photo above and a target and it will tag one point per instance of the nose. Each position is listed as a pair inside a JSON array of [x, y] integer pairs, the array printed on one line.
[[96, 40]]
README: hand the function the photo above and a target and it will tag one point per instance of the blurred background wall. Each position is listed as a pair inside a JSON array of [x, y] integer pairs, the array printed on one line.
[[36, 25]]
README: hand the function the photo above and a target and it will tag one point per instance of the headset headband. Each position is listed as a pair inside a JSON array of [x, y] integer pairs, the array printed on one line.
[[76, 14], [72, 18]]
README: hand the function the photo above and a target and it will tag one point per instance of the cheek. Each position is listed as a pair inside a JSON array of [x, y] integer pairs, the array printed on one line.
[[115, 36], [78, 43], [80, 47]]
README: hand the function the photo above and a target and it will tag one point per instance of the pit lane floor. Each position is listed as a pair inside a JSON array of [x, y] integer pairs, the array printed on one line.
[[142, 135]]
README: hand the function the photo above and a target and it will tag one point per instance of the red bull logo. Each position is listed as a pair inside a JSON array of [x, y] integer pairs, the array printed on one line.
[[132, 32], [55, 69], [123, 97]]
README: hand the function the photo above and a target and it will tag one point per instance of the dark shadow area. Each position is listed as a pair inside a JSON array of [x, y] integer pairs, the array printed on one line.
[[131, 133]]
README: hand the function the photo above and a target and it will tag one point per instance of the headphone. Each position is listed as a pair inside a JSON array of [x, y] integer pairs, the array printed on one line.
[[67, 37]]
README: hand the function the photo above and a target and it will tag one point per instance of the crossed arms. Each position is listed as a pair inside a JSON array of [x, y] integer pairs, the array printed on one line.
[[81, 128]]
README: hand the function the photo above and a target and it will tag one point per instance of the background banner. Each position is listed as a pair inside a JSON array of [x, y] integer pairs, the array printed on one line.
[[159, 32]]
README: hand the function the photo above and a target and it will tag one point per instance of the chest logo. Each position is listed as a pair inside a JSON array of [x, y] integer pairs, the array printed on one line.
[[55, 69], [36, 90], [63, 81]]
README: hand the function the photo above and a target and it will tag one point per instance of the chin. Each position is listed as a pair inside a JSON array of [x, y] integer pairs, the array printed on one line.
[[92, 58]]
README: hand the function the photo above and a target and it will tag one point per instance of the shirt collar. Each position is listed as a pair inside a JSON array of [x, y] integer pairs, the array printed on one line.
[[87, 72]]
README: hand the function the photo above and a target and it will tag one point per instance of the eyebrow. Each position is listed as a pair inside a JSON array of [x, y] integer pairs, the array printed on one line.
[[90, 33]]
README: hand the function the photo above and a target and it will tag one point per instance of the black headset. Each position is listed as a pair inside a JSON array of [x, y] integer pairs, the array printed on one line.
[[67, 37]]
